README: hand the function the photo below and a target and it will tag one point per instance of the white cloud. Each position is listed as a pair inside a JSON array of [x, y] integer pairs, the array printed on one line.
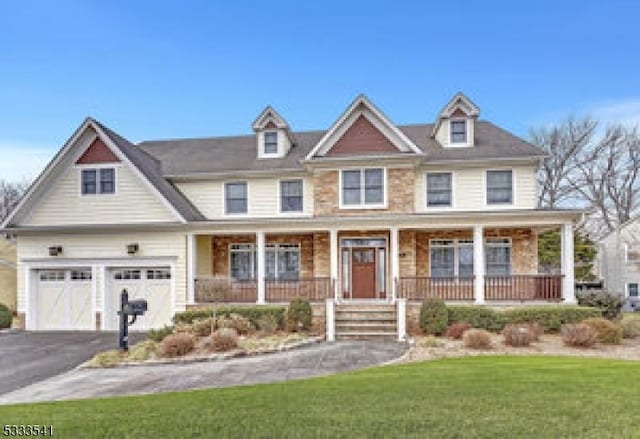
[[20, 161], [626, 112]]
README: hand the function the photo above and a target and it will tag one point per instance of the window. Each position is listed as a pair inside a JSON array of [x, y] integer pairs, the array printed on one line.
[[159, 274], [291, 196], [499, 187], [498, 256], [632, 290], [98, 181], [282, 261], [458, 131], [439, 189], [80, 275], [363, 187], [127, 275], [271, 142], [235, 198], [52, 275], [449, 258]]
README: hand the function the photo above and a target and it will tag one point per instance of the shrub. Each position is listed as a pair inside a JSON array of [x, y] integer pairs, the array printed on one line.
[[477, 316], [550, 317], [142, 351], [630, 327], [5, 316], [517, 335], [457, 330], [433, 316], [224, 339], [299, 315], [429, 342], [241, 324], [609, 304], [578, 335], [158, 335], [477, 339], [536, 330], [203, 328], [253, 313], [267, 324], [177, 345], [608, 332]]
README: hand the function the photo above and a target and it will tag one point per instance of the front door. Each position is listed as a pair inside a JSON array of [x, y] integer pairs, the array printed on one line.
[[363, 273]]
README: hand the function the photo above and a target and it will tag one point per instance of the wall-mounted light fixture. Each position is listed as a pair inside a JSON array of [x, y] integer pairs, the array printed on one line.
[[55, 250], [402, 255], [132, 249]]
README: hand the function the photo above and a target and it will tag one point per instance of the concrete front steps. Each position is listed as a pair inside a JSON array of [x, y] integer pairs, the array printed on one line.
[[356, 321]]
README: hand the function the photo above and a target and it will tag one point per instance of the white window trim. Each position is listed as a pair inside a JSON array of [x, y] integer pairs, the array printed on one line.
[[224, 199], [456, 244], [276, 247], [626, 289], [97, 167], [362, 204], [254, 254], [510, 245], [264, 144], [304, 201], [252, 251], [425, 198], [465, 144], [513, 189]]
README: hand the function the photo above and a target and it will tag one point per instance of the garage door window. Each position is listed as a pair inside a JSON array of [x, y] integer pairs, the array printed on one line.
[[127, 275], [80, 274], [52, 276], [158, 274]]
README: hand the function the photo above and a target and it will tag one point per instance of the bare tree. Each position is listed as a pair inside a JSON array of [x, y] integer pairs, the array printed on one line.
[[564, 144], [10, 194]]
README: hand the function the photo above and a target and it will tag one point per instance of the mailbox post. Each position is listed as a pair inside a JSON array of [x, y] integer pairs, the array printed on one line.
[[133, 308]]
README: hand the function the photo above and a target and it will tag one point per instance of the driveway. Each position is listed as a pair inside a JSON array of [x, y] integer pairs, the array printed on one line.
[[29, 357], [315, 360]]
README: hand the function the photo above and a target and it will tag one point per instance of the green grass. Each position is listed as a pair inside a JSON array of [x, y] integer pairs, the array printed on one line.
[[541, 397]]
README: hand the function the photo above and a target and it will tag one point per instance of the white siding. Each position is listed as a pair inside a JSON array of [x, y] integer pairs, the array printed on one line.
[[133, 202], [469, 187], [99, 248], [615, 269], [208, 196]]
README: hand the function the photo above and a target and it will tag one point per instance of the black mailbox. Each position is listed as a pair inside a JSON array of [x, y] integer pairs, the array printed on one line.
[[136, 307], [129, 308]]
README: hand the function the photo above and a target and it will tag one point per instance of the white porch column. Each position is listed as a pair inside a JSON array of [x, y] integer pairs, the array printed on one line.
[[478, 263], [260, 266], [333, 260], [330, 320], [191, 268], [566, 246], [395, 261], [401, 312]]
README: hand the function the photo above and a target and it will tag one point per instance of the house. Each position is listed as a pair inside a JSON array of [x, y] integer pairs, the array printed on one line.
[[8, 277], [365, 212], [619, 260]]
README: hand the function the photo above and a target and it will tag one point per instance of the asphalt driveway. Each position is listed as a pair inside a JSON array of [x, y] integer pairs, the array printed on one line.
[[29, 357], [311, 361]]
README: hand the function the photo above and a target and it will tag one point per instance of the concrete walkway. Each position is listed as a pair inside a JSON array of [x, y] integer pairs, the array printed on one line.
[[316, 360]]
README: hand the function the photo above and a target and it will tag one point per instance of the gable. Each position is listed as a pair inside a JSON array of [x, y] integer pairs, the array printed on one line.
[[97, 153], [362, 137]]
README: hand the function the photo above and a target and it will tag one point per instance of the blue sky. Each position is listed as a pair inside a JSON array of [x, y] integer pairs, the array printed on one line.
[[158, 69]]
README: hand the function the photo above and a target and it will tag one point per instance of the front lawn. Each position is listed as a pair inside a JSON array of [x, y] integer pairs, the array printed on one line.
[[465, 397]]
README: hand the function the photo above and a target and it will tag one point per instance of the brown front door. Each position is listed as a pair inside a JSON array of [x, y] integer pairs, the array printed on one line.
[[363, 273]]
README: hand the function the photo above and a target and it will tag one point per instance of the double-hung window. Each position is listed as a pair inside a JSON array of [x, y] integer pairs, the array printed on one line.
[[498, 256], [271, 142], [282, 261], [439, 190], [363, 187], [449, 258], [242, 262], [632, 290], [235, 198], [459, 131], [500, 187], [291, 195], [98, 181]]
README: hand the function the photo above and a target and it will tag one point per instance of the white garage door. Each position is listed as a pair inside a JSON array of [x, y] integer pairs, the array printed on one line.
[[150, 283], [64, 299]]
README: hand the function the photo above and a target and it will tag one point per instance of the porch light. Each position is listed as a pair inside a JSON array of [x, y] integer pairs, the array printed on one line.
[[55, 250], [132, 249]]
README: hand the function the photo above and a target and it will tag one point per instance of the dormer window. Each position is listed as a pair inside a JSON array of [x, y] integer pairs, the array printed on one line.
[[271, 142], [98, 181], [459, 131]]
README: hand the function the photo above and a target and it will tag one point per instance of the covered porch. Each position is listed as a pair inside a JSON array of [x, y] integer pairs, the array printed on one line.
[[478, 264]]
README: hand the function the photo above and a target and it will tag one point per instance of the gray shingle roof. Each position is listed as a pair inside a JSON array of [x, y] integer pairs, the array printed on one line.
[[238, 153]]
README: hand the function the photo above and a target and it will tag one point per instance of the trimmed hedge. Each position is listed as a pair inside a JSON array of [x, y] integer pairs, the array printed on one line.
[[5, 316], [253, 313], [550, 318]]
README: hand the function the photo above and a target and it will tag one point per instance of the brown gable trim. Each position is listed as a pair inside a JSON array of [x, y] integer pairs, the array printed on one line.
[[98, 152], [459, 113], [270, 125], [362, 137]]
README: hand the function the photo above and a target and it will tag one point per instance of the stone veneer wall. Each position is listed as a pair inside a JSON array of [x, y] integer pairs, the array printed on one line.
[[400, 193]]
